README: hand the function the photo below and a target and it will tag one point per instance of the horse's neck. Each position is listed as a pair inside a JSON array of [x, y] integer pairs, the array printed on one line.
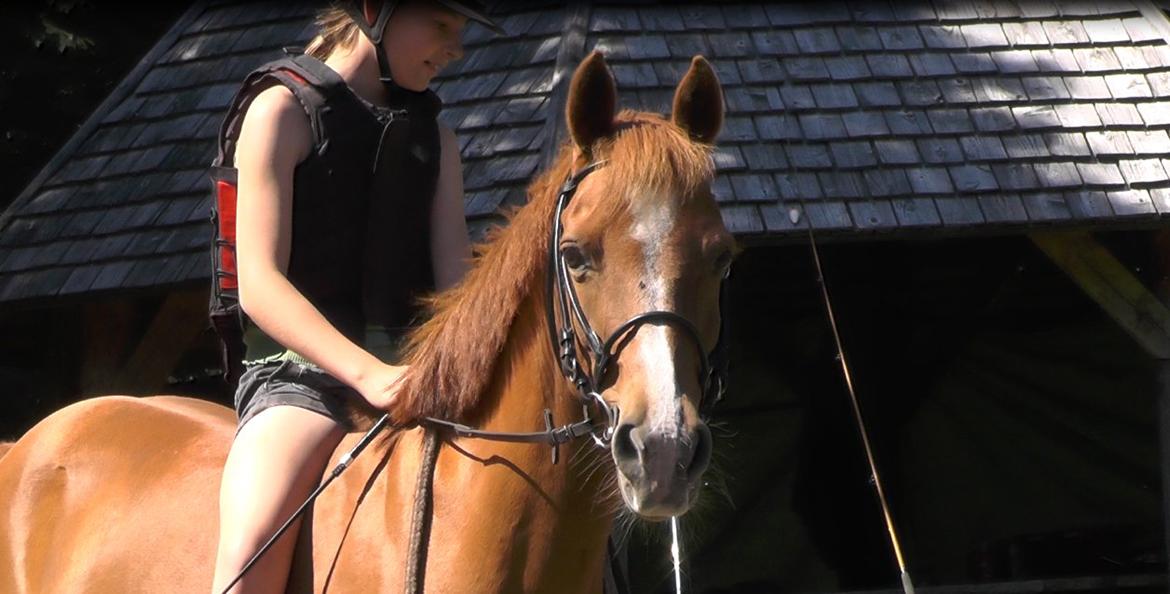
[[557, 524]]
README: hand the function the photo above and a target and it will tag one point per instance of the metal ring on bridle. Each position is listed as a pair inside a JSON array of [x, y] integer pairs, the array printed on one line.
[[611, 413]]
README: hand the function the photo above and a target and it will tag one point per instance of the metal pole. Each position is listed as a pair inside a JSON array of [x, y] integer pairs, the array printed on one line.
[[895, 542], [1164, 462]]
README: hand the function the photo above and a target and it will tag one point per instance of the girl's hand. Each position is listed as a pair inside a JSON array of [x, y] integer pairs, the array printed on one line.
[[381, 385]]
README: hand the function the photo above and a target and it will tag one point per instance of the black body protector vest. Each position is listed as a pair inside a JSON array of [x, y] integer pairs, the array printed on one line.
[[361, 204]]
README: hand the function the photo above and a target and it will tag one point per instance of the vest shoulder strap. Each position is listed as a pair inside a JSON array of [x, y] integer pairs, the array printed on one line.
[[309, 80]]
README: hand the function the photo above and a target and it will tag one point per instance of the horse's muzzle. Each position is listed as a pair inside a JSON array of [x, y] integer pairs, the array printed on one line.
[[660, 473]]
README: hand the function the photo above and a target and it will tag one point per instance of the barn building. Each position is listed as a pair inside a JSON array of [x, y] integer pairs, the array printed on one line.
[[987, 185]]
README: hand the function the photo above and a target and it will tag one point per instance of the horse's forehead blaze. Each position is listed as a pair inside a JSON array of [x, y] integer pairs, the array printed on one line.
[[659, 235], [653, 220], [649, 244]]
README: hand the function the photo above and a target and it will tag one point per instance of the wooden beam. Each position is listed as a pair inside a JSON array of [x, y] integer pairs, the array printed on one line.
[[570, 53], [106, 331], [179, 321], [1138, 310], [1112, 286]]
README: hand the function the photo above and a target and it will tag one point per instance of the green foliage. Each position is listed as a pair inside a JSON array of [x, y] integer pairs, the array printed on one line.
[[59, 37], [62, 57]]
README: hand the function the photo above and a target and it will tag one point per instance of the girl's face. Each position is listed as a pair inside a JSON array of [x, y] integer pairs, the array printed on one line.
[[421, 39]]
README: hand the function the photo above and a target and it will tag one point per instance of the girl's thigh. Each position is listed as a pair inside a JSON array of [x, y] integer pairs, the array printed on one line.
[[276, 460]]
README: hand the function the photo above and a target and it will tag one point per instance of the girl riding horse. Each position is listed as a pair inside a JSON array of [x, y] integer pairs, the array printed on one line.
[[332, 253], [117, 494]]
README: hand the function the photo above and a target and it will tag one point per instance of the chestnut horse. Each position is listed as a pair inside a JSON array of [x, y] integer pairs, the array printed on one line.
[[119, 494]]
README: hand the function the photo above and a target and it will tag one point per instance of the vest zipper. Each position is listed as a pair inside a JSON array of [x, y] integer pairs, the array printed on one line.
[[388, 119]]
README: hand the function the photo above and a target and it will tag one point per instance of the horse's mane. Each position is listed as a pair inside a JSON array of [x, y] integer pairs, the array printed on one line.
[[452, 356]]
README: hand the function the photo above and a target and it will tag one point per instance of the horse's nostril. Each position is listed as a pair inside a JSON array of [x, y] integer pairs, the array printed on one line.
[[625, 447], [701, 457]]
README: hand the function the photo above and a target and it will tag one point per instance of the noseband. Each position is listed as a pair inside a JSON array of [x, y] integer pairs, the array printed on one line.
[[561, 296]]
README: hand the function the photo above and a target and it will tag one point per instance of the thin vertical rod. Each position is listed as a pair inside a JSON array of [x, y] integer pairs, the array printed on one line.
[[676, 555], [907, 584]]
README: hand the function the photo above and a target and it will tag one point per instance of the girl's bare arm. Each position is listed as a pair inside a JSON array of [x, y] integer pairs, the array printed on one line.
[[450, 246], [274, 138]]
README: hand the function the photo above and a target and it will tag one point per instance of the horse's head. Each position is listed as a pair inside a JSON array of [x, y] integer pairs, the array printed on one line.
[[643, 233]]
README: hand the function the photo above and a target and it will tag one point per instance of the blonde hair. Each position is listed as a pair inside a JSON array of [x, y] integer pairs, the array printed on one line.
[[337, 31]]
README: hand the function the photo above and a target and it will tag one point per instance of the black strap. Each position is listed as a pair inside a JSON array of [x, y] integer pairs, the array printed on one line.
[[342, 464], [316, 72], [721, 357], [563, 339], [309, 80], [554, 437], [372, 31]]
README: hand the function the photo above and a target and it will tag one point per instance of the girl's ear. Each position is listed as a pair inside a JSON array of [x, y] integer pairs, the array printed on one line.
[[592, 103], [698, 102]]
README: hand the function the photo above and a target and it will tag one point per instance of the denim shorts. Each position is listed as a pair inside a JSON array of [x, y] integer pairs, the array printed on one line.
[[288, 383]]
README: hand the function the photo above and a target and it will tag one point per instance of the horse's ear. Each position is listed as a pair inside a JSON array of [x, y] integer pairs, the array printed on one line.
[[698, 102], [592, 102]]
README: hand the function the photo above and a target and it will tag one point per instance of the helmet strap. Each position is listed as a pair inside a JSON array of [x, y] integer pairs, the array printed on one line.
[[383, 65], [375, 31]]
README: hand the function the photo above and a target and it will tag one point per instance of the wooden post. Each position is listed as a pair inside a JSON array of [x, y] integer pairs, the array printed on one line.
[[178, 322], [106, 336]]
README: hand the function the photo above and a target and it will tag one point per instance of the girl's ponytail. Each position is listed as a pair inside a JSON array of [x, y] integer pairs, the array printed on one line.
[[336, 30]]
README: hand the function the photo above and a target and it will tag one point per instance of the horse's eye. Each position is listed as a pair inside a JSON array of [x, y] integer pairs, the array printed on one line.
[[574, 258], [723, 263]]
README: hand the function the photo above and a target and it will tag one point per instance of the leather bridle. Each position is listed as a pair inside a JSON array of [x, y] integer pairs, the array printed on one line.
[[561, 298]]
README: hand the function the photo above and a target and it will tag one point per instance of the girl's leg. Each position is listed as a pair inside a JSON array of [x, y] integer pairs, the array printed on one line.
[[276, 460]]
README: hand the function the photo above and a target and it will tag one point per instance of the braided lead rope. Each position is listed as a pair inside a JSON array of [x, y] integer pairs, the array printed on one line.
[[420, 517]]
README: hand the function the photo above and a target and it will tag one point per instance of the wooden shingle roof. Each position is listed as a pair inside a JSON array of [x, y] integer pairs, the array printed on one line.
[[910, 116], [873, 117]]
